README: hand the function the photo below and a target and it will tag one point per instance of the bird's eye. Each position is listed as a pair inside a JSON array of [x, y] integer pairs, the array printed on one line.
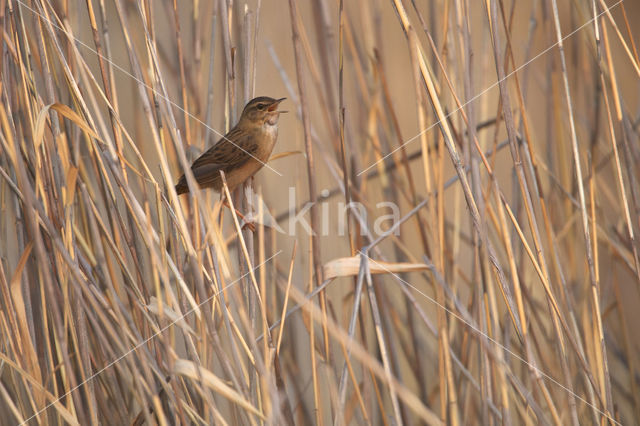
[[260, 106]]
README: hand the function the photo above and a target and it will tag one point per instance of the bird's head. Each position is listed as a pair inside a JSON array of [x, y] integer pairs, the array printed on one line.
[[262, 110]]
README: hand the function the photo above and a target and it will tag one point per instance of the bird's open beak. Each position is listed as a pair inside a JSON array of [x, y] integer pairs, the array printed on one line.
[[274, 105]]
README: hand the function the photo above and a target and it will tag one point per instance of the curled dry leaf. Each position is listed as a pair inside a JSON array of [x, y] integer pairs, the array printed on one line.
[[348, 266], [67, 113]]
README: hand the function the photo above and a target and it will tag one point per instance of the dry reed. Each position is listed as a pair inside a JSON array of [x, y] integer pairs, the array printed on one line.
[[506, 133]]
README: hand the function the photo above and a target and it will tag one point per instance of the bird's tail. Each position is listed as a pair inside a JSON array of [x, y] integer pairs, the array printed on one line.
[[181, 186]]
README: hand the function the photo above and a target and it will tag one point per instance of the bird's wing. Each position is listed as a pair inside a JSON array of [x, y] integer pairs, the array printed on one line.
[[226, 155]]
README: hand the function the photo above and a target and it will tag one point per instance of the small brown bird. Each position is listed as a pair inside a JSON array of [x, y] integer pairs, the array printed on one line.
[[241, 152]]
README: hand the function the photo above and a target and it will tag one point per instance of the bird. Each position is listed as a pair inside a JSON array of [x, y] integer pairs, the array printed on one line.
[[242, 152]]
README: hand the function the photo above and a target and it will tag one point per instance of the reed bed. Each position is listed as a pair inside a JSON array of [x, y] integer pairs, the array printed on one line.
[[499, 283]]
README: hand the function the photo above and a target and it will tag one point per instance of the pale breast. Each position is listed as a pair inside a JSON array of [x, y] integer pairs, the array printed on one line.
[[265, 148], [271, 130]]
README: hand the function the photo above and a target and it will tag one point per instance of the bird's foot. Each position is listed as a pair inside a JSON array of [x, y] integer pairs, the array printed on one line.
[[247, 221], [248, 224]]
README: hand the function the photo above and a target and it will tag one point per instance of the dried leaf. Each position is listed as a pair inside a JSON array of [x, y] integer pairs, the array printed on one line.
[[284, 154], [67, 113], [75, 117], [72, 177], [348, 266]]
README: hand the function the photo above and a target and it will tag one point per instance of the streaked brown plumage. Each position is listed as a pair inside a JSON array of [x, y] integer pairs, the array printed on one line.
[[241, 152]]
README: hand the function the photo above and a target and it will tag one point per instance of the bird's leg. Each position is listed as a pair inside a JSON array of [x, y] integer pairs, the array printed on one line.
[[247, 223]]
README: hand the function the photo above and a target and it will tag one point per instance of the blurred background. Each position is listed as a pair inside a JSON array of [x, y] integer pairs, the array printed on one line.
[[504, 132]]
